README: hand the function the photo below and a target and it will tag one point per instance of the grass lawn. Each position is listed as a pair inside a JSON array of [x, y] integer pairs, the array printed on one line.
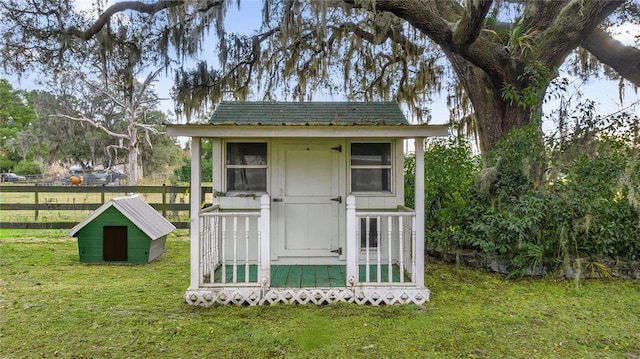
[[51, 305]]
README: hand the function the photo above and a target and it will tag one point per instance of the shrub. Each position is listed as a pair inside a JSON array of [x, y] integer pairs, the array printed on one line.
[[183, 174], [25, 167], [450, 168], [535, 204]]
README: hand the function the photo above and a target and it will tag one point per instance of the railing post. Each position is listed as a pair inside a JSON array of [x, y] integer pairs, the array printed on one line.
[[264, 229], [418, 275], [351, 245], [194, 226], [390, 246]]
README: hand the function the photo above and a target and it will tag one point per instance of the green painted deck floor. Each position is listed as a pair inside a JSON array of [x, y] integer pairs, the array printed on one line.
[[308, 276]]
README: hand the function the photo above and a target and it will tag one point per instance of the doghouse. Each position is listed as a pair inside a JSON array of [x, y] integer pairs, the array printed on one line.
[[125, 229]]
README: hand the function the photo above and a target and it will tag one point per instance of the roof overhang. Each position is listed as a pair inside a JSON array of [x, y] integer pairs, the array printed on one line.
[[332, 131]]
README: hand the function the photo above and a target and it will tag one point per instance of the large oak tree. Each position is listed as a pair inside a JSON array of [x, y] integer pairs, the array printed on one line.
[[502, 54], [101, 79]]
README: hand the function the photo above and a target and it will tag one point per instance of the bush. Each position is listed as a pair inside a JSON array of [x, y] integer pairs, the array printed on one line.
[[183, 174], [6, 164], [450, 168], [533, 204], [25, 167]]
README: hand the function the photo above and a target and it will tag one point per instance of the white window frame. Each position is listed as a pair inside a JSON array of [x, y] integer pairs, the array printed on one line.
[[390, 167], [227, 167]]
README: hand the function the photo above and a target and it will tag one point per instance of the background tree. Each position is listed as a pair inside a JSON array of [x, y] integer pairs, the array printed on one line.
[[123, 118], [15, 116], [502, 54], [100, 75], [55, 139], [48, 140], [161, 155]]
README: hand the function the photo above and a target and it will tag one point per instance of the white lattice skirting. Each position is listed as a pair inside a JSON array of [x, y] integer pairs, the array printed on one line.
[[256, 296]]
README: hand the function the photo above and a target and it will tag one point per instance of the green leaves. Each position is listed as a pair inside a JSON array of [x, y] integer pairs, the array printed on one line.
[[539, 205], [15, 116], [531, 87]]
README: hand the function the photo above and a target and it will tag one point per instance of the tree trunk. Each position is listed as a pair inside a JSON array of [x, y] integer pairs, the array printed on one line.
[[134, 169], [134, 175], [495, 116]]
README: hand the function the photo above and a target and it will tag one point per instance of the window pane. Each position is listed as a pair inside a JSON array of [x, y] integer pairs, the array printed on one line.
[[247, 179], [370, 180], [371, 154], [246, 154]]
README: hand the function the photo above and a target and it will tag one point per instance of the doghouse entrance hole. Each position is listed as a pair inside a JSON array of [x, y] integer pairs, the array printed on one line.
[[114, 243]]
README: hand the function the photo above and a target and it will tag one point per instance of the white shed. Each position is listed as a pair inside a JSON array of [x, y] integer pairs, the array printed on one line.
[[308, 205]]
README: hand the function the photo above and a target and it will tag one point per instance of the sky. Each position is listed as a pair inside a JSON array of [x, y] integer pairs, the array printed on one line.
[[603, 92]]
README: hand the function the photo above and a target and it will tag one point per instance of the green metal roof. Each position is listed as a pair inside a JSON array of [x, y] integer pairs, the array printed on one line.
[[308, 113]]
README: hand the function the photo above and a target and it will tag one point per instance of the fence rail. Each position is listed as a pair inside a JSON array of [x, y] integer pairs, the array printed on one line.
[[41, 202]]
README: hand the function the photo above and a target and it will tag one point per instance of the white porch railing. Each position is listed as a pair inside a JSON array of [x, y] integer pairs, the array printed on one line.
[[385, 245], [233, 244], [235, 247]]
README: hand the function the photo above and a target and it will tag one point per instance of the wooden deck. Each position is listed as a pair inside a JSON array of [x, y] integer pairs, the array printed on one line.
[[308, 276]]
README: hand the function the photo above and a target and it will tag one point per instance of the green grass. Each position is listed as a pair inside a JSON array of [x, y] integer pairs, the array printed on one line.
[[53, 306]]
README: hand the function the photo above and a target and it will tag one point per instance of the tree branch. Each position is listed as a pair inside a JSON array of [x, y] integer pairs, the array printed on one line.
[[424, 15], [118, 146], [392, 34], [137, 6], [466, 30], [624, 59], [105, 92], [436, 18], [539, 15], [94, 124], [150, 78], [569, 29], [150, 128]]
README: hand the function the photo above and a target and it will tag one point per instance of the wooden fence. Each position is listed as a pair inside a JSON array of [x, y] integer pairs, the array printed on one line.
[[41, 201]]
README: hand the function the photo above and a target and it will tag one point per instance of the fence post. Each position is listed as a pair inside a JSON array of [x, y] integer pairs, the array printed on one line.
[[36, 201], [164, 200]]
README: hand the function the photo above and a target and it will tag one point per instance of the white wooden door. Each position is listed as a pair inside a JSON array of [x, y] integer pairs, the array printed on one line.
[[309, 199]]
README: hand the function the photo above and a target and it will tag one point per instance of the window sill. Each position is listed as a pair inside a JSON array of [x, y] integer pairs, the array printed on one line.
[[254, 195], [372, 194]]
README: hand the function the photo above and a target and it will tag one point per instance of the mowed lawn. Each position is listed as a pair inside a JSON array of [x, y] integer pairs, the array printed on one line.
[[53, 306]]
